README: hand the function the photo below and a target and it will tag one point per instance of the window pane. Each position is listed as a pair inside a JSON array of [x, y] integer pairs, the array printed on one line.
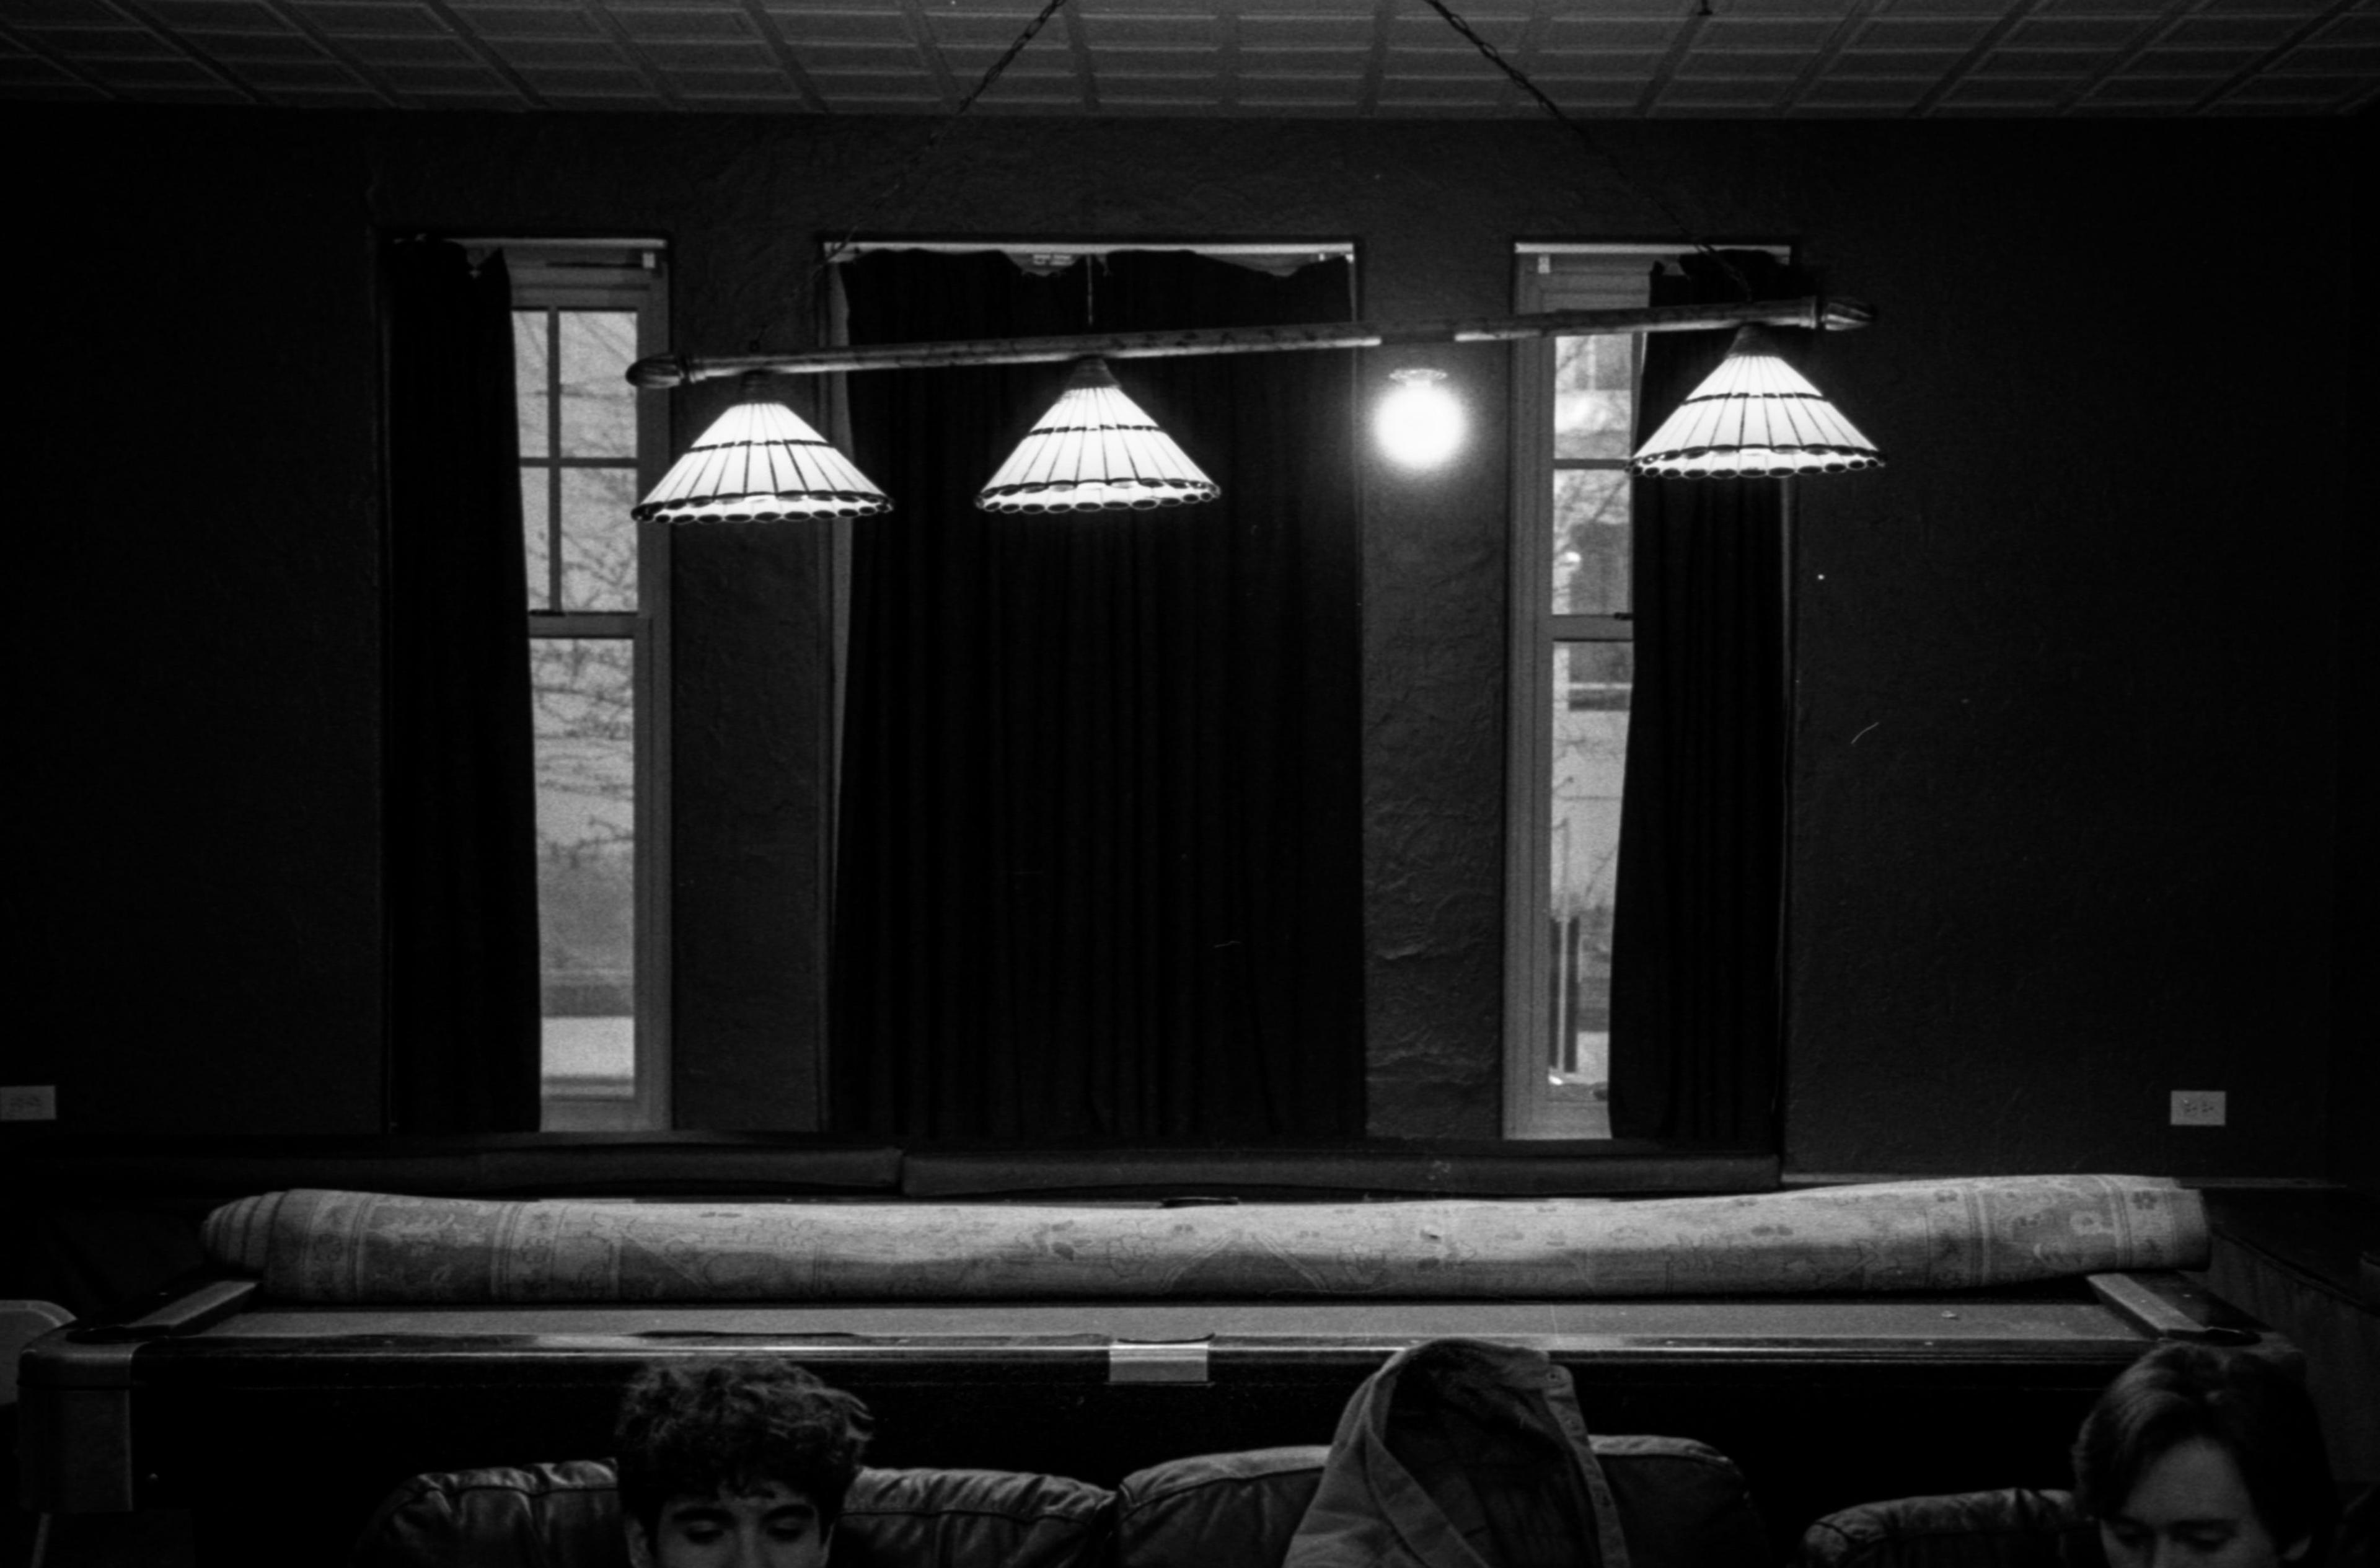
[[529, 379], [584, 694], [1590, 752], [598, 407], [534, 539], [598, 540], [1594, 398], [1591, 539]]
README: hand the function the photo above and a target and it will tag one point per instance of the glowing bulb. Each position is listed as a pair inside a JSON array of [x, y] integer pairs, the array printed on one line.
[[1419, 424]]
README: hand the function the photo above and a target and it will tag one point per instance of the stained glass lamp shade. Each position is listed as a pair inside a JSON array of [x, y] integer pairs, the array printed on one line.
[[1095, 451], [1754, 417], [761, 463]]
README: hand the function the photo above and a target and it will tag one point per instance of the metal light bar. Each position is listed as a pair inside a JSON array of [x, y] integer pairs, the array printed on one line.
[[673, 369]]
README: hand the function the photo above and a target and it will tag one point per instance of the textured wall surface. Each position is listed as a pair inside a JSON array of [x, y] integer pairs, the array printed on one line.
[[2065, 748]]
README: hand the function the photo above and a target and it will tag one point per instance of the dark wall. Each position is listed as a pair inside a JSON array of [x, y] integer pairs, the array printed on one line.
[[2067, 726]]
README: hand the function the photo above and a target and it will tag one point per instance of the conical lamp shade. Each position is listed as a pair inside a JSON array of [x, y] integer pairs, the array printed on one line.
[[760, 464], [1754, 418], [1095, 451]]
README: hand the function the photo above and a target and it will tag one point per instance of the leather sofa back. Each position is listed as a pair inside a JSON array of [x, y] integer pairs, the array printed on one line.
[[2013, 1528], [567, 1515], [1682, 1505]]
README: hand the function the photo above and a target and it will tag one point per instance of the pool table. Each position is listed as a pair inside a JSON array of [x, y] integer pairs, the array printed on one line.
[[190, 1398]]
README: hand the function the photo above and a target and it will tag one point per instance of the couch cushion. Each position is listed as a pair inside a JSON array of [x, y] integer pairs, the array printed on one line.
[[568, 1517], [2013, 1528], [1682, 1505]]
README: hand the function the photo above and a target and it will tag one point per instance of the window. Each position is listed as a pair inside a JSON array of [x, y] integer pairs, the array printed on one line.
[[1574, 415], [598, 648]]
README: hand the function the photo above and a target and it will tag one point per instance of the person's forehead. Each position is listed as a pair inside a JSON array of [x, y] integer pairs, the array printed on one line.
[[761, 1494]]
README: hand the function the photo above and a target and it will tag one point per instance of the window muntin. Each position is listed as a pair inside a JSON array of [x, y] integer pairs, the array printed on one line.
[[1574, 414], [598, 654]]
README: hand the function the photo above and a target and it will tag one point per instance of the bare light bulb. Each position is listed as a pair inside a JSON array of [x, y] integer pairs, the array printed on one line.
[[1420, 424]]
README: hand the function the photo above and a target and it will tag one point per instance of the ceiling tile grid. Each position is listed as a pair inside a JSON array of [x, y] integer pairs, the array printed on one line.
[[1951, 58]]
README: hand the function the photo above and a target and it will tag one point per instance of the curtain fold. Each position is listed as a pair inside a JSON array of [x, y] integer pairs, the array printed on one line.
[[1098, 873], [461, 869], [1697, 907]]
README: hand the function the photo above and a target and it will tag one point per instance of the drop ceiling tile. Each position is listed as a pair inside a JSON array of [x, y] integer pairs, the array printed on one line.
[[2040, 63], [1151, 33], [107, 43], [654, 25], [1506, 30], [1632, 32], [838, 27], [2176, 90], [983, 29], [618, 81], [2343, 60], [2259, 32], [443, 78], [1304, 32], [1864, 63], [749, 55], [2290, 89], [524, 22], [1301, 62], [243, 15], [1602, 66], [565, 54], [859, 57], [278, 76], [31, 70], [377, 20], [240, 48], [1922, 32], [1879, 93], [1984, 10], [2004, 92], [1772, 32], [2298, 10], [2074, 32], [2191, 62], [61, 13], [738, 84], [1157, 62], [1741, 97], [155, 73], [1705, 64], [2357, 26], [380, 52]]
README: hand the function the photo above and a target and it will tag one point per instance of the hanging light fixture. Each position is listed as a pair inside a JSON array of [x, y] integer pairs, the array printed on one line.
[[1095, 451], [1420, 424], [1754, 417], [760, 463]]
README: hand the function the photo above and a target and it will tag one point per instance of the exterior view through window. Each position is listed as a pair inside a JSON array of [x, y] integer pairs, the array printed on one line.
[[1572, 668], [579, 320]]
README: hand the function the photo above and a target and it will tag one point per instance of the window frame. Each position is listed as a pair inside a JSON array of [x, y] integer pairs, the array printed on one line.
[[622, 274], [1531, 1109]]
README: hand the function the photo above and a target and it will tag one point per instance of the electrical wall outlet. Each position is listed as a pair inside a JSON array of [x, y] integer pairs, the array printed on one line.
[[2198, 1108], [29, 1103]]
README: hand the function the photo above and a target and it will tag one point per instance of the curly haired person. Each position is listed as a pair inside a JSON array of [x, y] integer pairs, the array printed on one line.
[[736, 1464]]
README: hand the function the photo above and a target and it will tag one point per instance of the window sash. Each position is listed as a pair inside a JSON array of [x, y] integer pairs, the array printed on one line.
[[628, 276]]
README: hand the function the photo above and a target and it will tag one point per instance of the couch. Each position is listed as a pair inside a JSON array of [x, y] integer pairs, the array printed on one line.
[[1680, 1505]]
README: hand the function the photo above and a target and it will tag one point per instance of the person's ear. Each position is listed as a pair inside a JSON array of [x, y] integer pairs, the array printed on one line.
[[640, 1544]]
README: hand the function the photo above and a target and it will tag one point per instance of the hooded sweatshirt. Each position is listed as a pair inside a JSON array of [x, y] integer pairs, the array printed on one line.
[[1462, 1453]]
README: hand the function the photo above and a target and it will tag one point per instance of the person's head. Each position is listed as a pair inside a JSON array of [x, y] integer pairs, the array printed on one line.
[[2202, 1458], [736, 1464]]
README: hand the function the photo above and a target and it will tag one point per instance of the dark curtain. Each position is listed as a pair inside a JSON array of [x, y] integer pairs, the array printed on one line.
[[1696, 987], [1098, 873], [461, 811]]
